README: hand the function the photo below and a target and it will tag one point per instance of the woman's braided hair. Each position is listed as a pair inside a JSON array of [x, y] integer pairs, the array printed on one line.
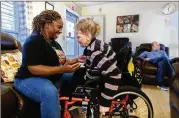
[[44, 17]]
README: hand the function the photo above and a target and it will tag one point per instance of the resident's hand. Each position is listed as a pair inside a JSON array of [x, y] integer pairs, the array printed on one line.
[[62, 61], [72, 61], [82, 59], [147, 59], [103, 110], [70, 67], [61, 56]]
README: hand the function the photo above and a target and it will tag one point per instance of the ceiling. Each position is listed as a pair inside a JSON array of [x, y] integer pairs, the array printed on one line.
[[85, 4]]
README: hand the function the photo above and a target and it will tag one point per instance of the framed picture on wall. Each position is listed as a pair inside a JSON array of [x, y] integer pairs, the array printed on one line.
[[127, 24], [48, 6]]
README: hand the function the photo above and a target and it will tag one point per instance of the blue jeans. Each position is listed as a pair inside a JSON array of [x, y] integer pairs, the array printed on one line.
[[164, 66], [45, 92], [69, 81], [65, 84]]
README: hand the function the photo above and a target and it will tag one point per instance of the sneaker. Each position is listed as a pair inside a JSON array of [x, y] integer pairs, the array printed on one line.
[[173, 75], [163, 88]]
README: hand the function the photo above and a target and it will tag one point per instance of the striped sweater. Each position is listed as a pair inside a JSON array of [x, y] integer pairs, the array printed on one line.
[[101, 62]]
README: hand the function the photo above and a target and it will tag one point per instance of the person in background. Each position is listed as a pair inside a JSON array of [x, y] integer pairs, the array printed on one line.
[[41, 67], [158, 57], [100, 61]]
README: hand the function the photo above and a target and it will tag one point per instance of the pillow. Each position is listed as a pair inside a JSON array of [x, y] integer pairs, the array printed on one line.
[[10, 62]]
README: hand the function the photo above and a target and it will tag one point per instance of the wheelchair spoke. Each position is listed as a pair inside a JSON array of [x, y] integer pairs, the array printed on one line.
[[137, 105]]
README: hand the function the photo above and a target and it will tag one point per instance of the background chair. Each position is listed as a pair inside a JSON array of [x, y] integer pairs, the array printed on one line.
[[123, 49], [149, 70], [13, 103]]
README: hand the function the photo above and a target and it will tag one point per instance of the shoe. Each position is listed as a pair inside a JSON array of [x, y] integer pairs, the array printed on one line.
[[163, 88], [173, 74]]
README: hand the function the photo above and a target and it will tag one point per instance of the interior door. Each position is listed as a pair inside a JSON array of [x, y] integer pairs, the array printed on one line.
[[71, 42]]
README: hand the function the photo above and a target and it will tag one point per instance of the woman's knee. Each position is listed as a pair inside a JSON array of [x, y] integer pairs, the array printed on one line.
[[37, 88], [50, 92]]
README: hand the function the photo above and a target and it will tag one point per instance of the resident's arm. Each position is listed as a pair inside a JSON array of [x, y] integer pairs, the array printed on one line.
[[81, 59], [165, 55], [60, 53], [143, 55], [72, 61]]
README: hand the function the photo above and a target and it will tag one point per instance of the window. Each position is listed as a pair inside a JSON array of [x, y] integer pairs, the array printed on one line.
[[16, 18], [8, 21]]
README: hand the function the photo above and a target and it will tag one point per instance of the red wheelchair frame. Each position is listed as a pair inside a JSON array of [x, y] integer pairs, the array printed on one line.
[[66, 113]]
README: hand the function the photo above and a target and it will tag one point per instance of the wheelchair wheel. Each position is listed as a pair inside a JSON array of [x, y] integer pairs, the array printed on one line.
[[133, 104]]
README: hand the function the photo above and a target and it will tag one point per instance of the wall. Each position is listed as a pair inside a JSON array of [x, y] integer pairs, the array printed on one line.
[[172, 32], [77, 9], [38, 7], [152, 24]]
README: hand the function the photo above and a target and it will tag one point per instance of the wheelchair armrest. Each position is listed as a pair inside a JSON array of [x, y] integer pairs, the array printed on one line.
[[85, 90]]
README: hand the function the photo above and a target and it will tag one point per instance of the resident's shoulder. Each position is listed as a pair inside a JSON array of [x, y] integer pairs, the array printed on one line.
[[146, 52], [101, 44], [160, 51], [97, 41]]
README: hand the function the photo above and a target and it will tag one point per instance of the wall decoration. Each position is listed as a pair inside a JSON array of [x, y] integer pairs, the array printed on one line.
[[48, 6], [127, 24]]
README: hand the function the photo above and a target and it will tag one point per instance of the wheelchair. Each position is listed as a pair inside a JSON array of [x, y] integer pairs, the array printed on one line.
[[129, 101]]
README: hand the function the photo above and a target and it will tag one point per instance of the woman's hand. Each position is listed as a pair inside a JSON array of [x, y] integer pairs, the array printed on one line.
[[70, 67], [103, 110]]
